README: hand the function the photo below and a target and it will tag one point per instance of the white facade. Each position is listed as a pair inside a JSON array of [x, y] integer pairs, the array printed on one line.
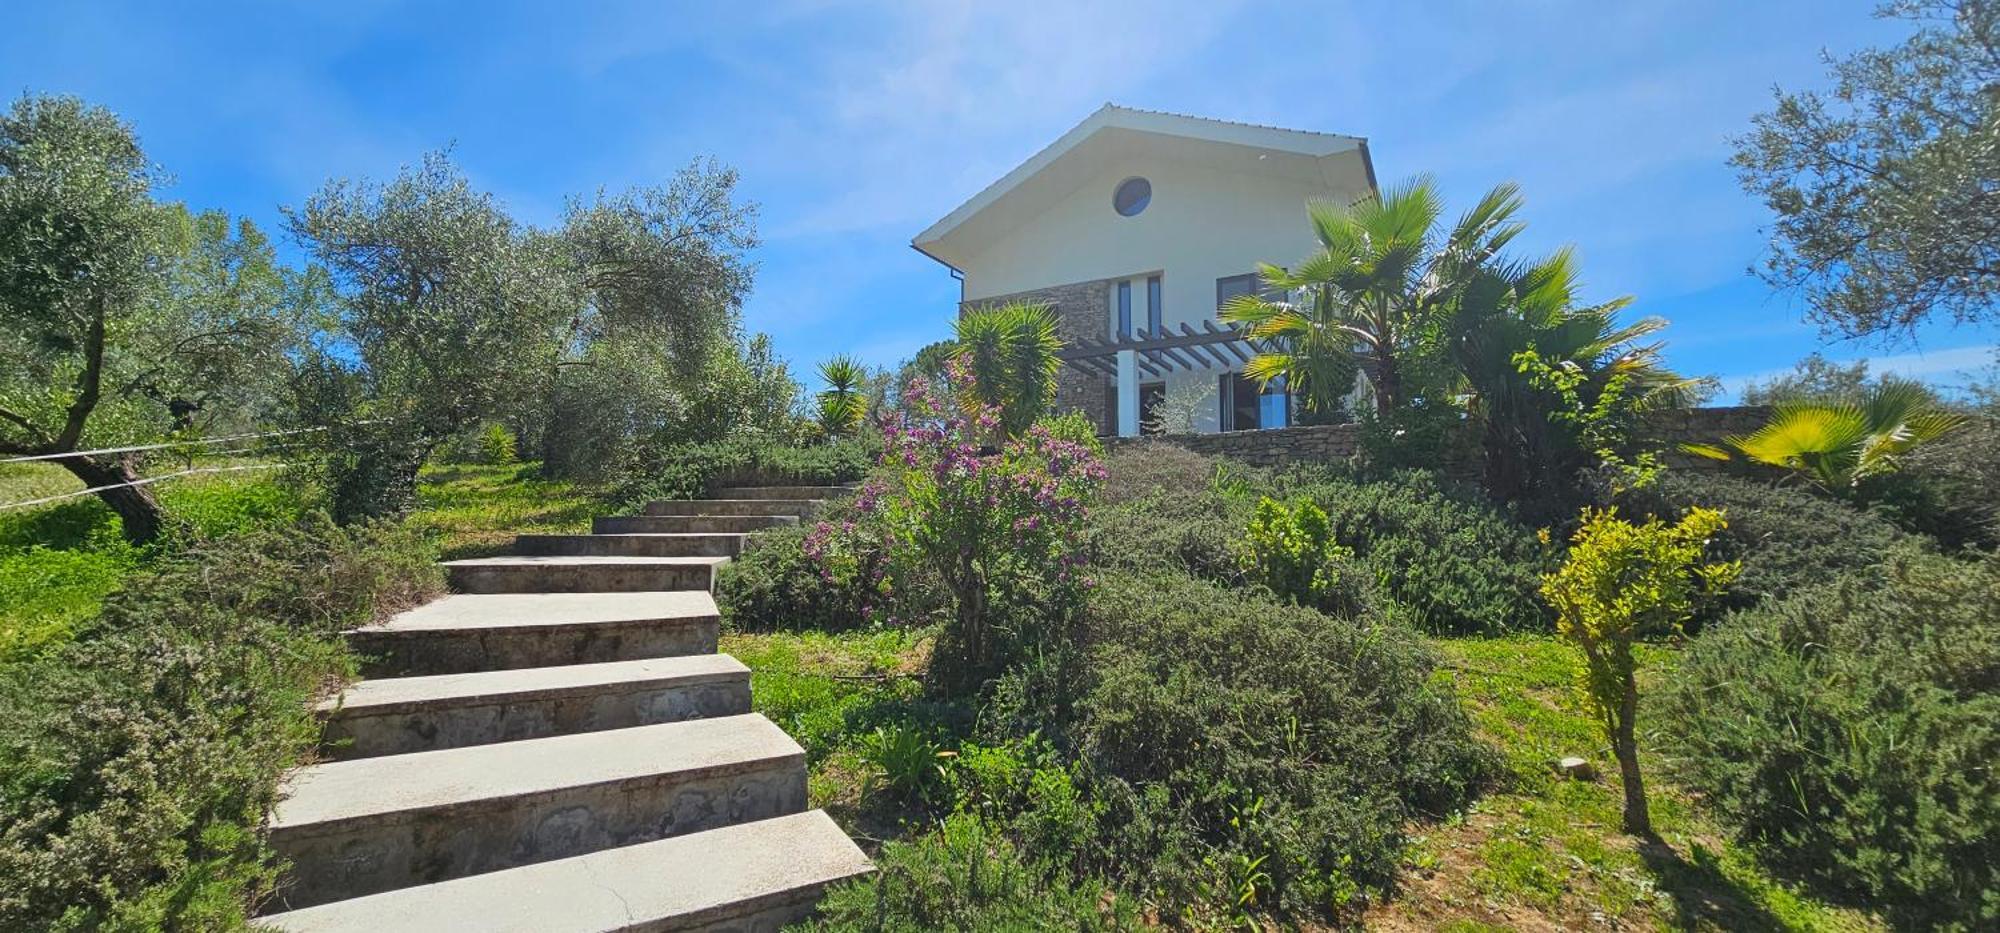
[[1224, 197]]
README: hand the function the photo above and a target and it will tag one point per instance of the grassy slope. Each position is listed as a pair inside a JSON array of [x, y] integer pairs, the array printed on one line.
[[477, 510], [1546, 853], [828, 691], [59, 561]]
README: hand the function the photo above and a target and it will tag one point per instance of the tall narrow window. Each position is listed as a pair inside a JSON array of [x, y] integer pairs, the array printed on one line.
[[1125, 309], [1274, 408], [1155, 311]]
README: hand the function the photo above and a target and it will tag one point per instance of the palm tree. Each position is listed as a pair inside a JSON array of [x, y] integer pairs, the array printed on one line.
[[841, 408], [1372, 297], [1509, 309], [1837, 445], [1010, 352]]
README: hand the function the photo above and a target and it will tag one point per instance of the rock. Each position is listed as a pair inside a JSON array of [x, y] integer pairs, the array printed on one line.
[[1576, 769]]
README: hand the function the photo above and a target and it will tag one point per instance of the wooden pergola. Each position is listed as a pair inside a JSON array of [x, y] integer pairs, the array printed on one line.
[[1158, 354]]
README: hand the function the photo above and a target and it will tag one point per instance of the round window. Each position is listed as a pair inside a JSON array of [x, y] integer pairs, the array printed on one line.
[[1132, 196]]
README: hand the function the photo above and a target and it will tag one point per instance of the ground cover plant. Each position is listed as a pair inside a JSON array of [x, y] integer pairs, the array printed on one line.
[[1847, 732], [137, 760], [58, 562]]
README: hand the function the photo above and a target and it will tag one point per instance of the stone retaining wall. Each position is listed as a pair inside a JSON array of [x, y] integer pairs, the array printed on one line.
[[1333, 443]]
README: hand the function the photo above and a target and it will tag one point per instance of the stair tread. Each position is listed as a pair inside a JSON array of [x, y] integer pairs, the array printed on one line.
[[338, 791], [473, 611], [738, 501], [643, 534], [395, 694], [697, 878], [568, 560]]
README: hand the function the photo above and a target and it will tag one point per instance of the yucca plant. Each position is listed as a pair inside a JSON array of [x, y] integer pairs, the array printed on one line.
[[1838, 445], [1010, 354], [1372, 297], [841, 408]]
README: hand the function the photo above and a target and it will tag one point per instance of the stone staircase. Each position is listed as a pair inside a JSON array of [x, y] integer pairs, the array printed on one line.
[[556, 746]]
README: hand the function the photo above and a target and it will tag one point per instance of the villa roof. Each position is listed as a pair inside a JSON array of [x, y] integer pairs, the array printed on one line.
[[1115, 121]]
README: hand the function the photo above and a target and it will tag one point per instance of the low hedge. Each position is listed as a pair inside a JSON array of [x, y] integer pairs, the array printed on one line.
[[688, 471], [1788, 540], [1219, 728], [137, 761], [1850, 731]]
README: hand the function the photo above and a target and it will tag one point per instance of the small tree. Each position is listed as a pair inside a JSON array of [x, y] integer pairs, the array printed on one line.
[[1883, 188], [841, 406], [122, 319], [1622, 581], [444, 312], [1009, 355]]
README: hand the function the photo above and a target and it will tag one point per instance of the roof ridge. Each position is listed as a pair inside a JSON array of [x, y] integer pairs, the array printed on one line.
[[1194, 116]]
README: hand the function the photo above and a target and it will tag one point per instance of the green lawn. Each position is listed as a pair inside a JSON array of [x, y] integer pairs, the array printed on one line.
[[477, 510], [1545, 851], [58, 561]]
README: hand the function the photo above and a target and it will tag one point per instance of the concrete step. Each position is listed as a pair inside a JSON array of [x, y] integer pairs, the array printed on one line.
[[689, 524], [400, 715], [754, 876], [581, 574], [353, 828], [799, 507], [631, 545], [781, 492], [484, 632]]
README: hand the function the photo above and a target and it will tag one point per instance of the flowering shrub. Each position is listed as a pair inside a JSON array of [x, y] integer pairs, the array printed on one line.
[[999, 530]]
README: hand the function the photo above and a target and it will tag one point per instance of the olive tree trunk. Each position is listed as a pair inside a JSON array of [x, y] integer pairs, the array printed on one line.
[[138, 511]]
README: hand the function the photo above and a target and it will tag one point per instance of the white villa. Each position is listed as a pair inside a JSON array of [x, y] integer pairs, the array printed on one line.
[[1134, 227]]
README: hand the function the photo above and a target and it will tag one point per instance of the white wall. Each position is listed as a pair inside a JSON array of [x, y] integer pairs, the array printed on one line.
[[1202, 224]]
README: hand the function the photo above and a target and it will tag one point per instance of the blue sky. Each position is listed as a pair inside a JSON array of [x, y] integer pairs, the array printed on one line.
[[857, 125]]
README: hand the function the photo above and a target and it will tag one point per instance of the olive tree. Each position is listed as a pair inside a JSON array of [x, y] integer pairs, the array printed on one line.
[[1887, 187], [125, 319], [440, 311]]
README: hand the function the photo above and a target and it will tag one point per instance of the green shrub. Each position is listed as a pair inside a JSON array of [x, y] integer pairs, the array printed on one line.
[[967, 876], [1850, 732], [1459, 564], [497, 445], [1786, 539], [137, 763], [1242, 748], [662, 470], [774, 586], [1291, 550]]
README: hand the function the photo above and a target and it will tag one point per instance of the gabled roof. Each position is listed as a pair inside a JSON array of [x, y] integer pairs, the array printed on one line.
[[1110, 117]]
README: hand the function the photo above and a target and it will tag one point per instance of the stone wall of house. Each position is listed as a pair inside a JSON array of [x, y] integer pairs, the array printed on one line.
[[1339, 442], [1272, 448], [1081, 309]]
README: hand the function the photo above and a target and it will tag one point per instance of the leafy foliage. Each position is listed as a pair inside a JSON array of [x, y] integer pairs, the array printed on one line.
[[127, 320], [1291, 550], [1009, 359], [139, 761], [1785, 540], [1555, 384], [966, 876], [1458, 564], [1883, 187], [1248, 754], [666, 467], [1838, 446], [1001, 534], [1848, 730], [1383, 277], [1620, 582], [841, 407]]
